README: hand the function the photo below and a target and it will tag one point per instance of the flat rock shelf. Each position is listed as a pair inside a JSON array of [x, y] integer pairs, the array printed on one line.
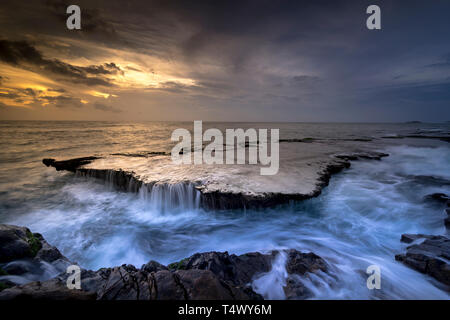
[[217, 186]]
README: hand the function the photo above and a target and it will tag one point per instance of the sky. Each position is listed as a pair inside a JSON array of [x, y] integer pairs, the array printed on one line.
[[306, 61]]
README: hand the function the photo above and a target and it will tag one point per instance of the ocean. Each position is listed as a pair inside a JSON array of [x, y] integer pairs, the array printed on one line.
[[355, 222]]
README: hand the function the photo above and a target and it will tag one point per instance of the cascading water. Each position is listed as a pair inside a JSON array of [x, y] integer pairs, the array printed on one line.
[[270, 285], [171, 197], [163, 197]]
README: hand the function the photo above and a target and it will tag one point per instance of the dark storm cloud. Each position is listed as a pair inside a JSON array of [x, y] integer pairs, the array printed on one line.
[[93, 21], [176, 87], [63, 101], [279, 60], [57, 90], [9, 95], [31, 96], [106, 108], [24, 55], [444, 62]]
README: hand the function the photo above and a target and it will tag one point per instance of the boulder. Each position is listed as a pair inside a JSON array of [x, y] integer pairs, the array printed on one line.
[[238, 270], [301, 263], [17, 243], [430, 256], [26, 256]]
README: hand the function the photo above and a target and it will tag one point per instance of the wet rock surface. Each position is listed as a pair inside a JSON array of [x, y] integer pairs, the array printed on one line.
[[428, 254], [209, 275], [437, 198], [224, 187], [68, 165], [26, 256], [419, 136]]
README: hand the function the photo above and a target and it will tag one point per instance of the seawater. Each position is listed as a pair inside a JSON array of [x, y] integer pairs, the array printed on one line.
[[357, 221]]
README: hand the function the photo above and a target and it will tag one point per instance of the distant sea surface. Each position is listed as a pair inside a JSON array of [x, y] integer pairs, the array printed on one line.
[[356, 221]]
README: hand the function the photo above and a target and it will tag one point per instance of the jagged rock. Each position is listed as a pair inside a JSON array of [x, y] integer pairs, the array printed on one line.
[[295, 289], [68, 165], [203, 284], [431, 256], [300, 263], [15, 243], [209, 275], [20, 243], [153, 266], [26, 256], [53, 289], [408, 238], [238, 270]]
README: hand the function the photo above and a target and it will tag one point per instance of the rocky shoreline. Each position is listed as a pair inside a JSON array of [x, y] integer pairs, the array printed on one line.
[[209, 275], [428, 254]]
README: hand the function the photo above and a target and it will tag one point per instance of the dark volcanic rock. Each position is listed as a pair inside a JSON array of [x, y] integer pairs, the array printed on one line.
[[26, 256], [14, 243], [300, 263], [53, 289], [68, 165], [122, 180], [447, 222], [18, 243], [153, 266], [431, 256], [238, 270], [437, 197], [408, 238], [209, 275]]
